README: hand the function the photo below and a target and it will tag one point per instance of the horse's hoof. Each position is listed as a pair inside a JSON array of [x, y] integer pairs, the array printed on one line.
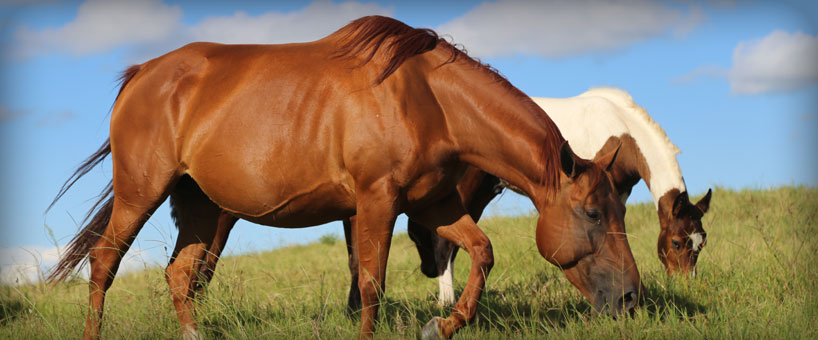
[[432, 330]]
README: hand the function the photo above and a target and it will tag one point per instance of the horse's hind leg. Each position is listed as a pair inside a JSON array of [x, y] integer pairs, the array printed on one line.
[[452, 222], [208, 268], [197, 218], [130, 211], [106, 255], [354, 300]]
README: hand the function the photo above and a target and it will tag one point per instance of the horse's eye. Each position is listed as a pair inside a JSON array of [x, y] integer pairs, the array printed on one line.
[[676, 244], [593, 215]]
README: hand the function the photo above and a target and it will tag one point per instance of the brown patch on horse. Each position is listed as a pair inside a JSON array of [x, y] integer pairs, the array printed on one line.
[[674, 203], [630, 166], [679, 220]]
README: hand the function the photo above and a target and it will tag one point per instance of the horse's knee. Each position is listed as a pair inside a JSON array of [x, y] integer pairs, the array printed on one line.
[[484, 255], [102, 268], [178, 280], [368, 289]]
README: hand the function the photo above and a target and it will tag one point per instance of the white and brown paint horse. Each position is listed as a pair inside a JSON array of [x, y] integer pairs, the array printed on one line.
[[601, 119], [595, 123]]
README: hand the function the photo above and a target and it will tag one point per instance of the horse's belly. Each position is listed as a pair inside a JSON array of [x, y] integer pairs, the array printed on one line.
[[322, 205], [283, 199]]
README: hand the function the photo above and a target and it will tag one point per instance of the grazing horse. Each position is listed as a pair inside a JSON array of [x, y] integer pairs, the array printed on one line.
[[602, 119], [595, 123], [374, 120]]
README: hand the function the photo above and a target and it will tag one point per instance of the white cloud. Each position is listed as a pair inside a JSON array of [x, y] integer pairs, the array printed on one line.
[[102, 25], [778, 62], [710, 70], [152, 27], [313, 22], [562, 28], [26, 265]]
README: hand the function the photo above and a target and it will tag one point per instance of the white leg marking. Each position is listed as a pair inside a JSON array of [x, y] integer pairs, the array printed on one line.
[[191, 334], [697, 240], [446, 283]]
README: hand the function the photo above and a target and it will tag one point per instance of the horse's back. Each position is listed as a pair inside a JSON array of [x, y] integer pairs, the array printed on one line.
[[586, 122], [259, 127], [271, 132]]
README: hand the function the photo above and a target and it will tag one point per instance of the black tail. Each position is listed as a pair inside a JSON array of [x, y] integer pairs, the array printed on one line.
[[81, 245]]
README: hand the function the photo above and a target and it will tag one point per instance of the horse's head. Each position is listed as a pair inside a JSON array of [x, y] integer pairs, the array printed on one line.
[[583, 232], [426, 242], [682, 236]]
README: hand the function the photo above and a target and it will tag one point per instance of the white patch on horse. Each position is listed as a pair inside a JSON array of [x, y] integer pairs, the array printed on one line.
[[587, 121], [446, 283], [696, 239], [191, 334]]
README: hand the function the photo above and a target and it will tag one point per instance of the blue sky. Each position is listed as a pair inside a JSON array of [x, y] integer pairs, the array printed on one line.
[[734, 84]]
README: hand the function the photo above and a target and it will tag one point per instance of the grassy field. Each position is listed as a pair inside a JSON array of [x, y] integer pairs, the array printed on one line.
[[757, 279]]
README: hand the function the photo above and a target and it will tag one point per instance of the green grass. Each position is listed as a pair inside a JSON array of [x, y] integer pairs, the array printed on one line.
[[757, 279]]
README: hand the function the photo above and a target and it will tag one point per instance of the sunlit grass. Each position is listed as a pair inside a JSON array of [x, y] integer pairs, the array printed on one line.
[[757, 279]]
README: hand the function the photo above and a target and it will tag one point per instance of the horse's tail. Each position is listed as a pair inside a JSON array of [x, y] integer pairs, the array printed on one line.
[[81, 244]]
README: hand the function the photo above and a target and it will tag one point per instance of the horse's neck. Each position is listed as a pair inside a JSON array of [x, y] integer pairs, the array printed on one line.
[[590, 120], [497, 129]]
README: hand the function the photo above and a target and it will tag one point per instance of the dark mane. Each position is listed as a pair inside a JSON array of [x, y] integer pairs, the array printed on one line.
[[369, 34]]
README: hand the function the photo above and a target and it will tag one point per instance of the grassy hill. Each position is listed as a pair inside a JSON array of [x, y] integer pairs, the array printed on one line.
[[757, 279]]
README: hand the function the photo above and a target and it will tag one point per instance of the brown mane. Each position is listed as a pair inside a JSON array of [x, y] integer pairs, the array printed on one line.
[[369, 34]]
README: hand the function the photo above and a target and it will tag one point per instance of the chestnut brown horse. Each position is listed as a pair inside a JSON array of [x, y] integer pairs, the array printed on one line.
[[374, 120], [595, 123]]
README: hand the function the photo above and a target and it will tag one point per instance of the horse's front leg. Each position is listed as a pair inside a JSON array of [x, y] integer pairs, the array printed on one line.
[[452, 222], [373, 235]]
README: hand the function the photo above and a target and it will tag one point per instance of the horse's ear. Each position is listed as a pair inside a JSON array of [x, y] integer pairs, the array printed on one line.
[[568, 161], [704, 203], [680, 203], [606, 161]]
